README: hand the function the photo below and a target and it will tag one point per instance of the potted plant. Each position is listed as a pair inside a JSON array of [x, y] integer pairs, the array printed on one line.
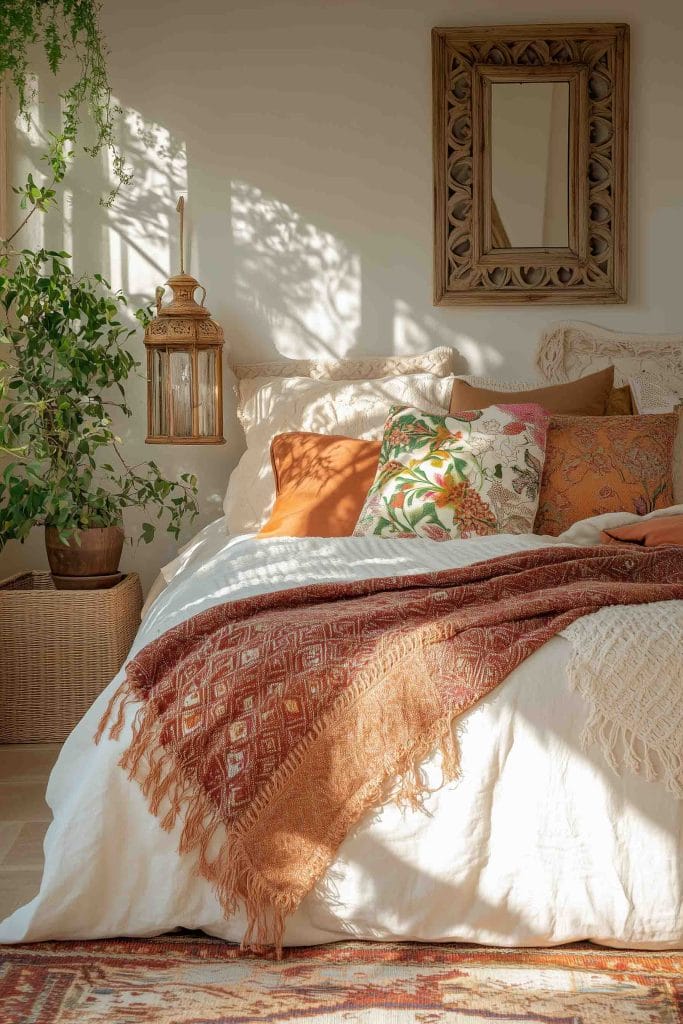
[[63, 360], [62, 383]]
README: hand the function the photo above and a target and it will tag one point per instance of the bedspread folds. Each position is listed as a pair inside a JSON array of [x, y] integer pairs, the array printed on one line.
[[270, 724]]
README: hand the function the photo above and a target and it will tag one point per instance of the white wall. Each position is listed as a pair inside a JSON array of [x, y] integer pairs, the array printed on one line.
[[301, 131]]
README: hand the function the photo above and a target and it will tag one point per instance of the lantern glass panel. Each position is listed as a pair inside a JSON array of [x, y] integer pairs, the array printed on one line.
[[160, 407], [181, 393], [206, 376]]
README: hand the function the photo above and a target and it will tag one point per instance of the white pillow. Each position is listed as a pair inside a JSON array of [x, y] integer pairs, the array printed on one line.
[[356, 408], [439, 361]]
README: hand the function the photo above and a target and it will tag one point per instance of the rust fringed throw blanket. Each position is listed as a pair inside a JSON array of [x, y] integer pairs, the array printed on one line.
[[270, 724]]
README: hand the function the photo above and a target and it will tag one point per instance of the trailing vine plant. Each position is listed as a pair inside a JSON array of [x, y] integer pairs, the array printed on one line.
[[66, 31], [62, 380]]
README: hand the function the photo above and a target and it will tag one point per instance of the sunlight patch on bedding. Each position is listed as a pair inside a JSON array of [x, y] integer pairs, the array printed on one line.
[[214, 568]]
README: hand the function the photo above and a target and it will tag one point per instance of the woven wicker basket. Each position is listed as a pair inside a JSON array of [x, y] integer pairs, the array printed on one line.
[[58, 650]]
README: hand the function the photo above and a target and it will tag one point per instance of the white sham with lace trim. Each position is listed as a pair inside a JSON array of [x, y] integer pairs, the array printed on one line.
[[441, 361]]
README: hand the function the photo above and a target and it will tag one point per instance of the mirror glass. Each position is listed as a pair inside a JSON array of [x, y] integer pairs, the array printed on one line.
[[530, 164]]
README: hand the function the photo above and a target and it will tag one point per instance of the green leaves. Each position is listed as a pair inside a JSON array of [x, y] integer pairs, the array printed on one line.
[[62, 389], [36, 195], [148, 532]]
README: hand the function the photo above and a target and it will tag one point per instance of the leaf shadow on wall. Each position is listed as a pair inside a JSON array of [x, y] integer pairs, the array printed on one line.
[[310, 297], [302, 282], [143, 223]]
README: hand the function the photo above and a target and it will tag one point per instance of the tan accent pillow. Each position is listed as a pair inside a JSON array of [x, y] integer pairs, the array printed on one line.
[[321, 483], [605, 464], [620, 402], [585, 397]]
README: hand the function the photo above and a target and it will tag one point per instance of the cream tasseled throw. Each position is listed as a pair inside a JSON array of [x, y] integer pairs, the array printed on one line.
[[627, 662]]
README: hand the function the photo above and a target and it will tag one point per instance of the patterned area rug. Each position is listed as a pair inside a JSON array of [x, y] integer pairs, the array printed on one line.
[[194, 980]]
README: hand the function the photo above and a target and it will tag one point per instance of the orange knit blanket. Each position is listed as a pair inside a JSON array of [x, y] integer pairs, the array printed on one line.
[[270, 724]]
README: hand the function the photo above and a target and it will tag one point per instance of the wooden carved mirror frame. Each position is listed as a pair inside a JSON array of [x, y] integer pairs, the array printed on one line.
[[593, 60]]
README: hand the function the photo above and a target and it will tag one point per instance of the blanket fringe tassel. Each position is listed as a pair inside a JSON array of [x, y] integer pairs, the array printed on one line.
[[621, 747], [221, 857]]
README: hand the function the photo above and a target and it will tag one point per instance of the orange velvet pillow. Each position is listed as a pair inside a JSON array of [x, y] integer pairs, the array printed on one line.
[[321, 482], [651, 533], [605, 464], [585, 397]]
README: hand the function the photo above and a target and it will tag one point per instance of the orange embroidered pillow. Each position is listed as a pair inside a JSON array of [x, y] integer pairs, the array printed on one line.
[[321, 482], [605, 464], [651, 533]]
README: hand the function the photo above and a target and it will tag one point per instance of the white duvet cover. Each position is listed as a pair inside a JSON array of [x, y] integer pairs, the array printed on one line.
[[539, 842]]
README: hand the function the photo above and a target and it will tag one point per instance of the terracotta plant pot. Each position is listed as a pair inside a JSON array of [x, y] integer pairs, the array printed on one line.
[[98, 553]]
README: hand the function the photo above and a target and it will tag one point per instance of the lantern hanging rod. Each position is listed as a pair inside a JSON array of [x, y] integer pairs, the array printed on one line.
[[180, 209]]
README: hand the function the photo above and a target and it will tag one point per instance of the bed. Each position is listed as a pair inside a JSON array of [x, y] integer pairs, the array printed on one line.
[[539, 842]]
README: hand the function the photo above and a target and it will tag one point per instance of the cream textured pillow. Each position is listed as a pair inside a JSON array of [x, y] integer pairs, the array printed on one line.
[[439, 361], [276, 406]]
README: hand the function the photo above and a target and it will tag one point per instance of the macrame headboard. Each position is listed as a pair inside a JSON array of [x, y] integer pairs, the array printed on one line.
[[570, 349]]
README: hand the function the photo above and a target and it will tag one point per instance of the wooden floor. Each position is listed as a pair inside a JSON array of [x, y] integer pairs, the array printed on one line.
[[24, 817]]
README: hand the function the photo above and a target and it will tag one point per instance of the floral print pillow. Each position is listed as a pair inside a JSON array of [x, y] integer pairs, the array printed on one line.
[[446, 477]]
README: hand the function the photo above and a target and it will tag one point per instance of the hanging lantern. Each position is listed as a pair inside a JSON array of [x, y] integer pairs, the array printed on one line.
[[184, 373]]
